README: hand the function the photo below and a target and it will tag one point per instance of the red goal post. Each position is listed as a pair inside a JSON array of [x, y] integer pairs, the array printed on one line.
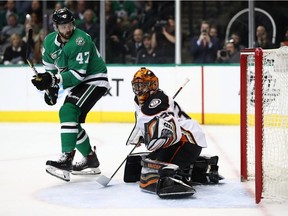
[[264, 121]]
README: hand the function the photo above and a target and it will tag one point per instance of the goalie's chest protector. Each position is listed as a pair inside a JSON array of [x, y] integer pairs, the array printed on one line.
[[155, 105]]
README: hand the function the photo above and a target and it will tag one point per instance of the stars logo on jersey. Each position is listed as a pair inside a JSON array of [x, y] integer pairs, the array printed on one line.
[[154, 103], [80, 41]]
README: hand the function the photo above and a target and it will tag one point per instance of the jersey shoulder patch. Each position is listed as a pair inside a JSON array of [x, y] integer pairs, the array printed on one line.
[[156, 103], [80, 41]]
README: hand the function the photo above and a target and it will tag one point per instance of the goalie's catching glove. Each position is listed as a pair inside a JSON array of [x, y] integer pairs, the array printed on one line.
[[43, 81], [51, 95], [160, 133]]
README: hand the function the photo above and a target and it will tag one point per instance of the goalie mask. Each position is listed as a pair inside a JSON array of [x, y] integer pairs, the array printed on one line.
[[144, 83]]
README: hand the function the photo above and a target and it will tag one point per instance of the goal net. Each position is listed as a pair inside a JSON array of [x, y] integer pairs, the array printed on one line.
[[264, 121]]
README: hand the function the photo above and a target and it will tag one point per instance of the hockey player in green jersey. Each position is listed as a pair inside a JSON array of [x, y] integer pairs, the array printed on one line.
[[70, 58]]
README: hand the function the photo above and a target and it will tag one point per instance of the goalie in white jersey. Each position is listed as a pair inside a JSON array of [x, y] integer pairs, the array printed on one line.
[[173, 139]]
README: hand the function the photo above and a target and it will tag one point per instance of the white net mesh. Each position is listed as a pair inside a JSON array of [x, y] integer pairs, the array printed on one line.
[[275, 122]]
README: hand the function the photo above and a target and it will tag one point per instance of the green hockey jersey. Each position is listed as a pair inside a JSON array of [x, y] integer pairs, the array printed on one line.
[[77, 61]]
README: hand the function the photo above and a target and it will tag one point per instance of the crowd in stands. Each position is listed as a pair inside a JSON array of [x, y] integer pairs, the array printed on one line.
[[137, 32]]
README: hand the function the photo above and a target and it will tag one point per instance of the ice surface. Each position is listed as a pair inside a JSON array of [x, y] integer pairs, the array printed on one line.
[[26, 189]]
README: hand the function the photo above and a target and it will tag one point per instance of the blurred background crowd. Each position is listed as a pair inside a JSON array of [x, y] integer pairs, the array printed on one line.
[[143, 32]]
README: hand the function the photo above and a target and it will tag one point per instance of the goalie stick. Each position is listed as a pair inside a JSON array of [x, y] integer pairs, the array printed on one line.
[[181, 87], [28, 52], [104, 180]]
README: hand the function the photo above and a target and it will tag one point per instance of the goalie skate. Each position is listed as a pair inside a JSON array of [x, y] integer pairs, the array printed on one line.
[[61, 168], [89, 165]]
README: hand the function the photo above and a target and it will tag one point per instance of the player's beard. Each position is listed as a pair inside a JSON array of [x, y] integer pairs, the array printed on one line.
[[67, 35]]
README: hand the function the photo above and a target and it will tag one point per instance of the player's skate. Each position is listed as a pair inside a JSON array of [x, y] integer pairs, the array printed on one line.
[[61, 168], [89, 165]]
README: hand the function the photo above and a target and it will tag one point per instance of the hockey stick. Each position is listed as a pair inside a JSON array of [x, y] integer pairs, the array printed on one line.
[[181, 87], [104, 180], [29, 45], [28, 51]]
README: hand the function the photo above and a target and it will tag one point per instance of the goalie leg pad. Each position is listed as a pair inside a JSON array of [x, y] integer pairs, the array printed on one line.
[[205, 170], [164, 179], [171, 184], [133, 167], [149, 174], [149, 180]]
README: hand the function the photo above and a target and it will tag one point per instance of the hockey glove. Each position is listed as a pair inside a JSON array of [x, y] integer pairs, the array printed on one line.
[[159, 133], [51, 95], [43, 81]]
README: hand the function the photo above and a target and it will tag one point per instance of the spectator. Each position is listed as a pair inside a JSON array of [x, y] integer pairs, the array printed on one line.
[[115, 50], [237, 41], [164, 9], [124, 9], [35, 23], [90, 26], [28, 26], [57, 6], [203, 47], [37, 54], [147, 14], [12, 27], [79, 13], [22, 6], [213, 32], [149, 54], [36, 7], [229, 54], [262, 39], [16, 52], [10, 8], [163, 37], [134, 45], [285, 41], [111, 17], [126, 13]]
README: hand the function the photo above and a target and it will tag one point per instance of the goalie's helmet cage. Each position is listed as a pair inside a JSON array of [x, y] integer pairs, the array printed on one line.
[[144, 83], [62, 16]]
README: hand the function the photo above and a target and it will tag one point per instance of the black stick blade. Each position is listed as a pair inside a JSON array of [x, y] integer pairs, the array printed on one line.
[[30, 38], [29, 43]]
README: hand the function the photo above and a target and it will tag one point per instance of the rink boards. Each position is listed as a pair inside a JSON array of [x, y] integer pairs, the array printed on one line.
[[211, 96]]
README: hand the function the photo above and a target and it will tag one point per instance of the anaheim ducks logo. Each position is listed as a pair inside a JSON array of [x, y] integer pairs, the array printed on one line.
[[154, 103], [80, 41]]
